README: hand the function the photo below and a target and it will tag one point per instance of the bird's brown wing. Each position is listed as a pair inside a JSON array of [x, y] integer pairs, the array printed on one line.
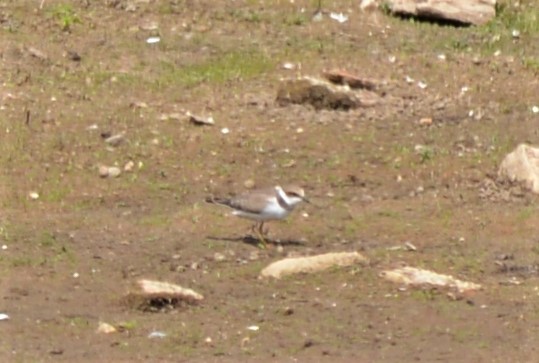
[[252, 202]]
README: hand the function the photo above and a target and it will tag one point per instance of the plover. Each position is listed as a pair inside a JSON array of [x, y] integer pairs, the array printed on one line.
[[262, 205]]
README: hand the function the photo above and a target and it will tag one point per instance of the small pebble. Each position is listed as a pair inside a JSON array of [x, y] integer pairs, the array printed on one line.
[[249, 184], [115, 140], [106, 328], [153, 40], [129, 166], [157, 334], [219, 257]]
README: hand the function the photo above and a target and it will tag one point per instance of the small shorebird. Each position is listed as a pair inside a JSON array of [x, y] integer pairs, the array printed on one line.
[[262, 205]]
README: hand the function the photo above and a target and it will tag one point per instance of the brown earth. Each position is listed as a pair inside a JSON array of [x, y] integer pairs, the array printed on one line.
[[74, 73]]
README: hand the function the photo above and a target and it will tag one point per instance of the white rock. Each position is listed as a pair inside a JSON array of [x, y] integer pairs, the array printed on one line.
[[425, 278], [340, 17], [115, 140], [106, 328], [522, 165], [153, 40], [289, 266], [157, 334], [114, 171]]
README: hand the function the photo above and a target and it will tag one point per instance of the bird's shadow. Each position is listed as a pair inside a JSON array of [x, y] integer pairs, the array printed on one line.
[[254, 241]]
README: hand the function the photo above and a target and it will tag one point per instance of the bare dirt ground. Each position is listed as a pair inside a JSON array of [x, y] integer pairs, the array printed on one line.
[[76, 72]]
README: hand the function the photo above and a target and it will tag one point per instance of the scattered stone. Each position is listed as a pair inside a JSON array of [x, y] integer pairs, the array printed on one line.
[[322, 94], [129, 165], [153, 40], [219, 257], [109, 171], [249, 184], [289, 266], [522, 165], [475, 12], [199, 120], [424, 278], [410, 246], [289, 66], [225, 130], [34, 52], [157, 334], [339, 17], [33, 195], [114, 172], [342, 77], [4, 316], [535, 109], [157, 295], [105, 328], [253, 328], [425, 121], [115, 140]]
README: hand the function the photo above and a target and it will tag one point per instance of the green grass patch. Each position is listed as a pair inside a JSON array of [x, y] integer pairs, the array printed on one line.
[[65, 16], [231, 66]]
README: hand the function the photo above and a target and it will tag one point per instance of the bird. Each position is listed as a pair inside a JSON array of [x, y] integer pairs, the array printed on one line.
[[263, 205]]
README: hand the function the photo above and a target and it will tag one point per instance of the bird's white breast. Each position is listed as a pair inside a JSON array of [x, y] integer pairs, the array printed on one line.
[[271, 211]]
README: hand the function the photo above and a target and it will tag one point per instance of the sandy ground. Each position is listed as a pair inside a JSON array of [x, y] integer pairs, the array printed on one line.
[[75, 74]]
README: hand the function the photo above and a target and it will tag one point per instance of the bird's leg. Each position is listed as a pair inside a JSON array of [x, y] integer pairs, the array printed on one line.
[[260, 234], [262, 230]]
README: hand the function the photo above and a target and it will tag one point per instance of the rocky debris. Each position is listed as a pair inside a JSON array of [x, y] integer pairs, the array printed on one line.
[[115, 140], [157, 334], [290, 266], [322, 94], [106, 328], [522, 165], [200, 120], [109, 171], [342, 77], [417, 277], [475, 12], [36, 53], [157, 295], [502, 189]]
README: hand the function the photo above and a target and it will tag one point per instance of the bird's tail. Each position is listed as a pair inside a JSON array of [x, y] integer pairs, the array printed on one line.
[[217, 200]]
